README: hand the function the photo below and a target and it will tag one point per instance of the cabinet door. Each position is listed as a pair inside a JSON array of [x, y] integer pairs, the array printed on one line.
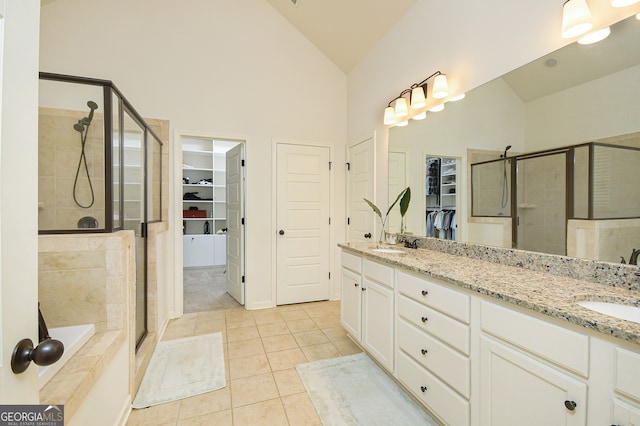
[[351, 305], [377, 322], [518, 389], [625, 414], [198, 250]]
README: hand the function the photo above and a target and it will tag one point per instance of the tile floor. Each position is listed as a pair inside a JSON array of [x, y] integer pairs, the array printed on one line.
[[261, 351]]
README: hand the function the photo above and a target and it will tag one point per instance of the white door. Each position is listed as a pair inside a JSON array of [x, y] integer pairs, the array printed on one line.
[[361, 176], [18, 202], [397, 183], [235, 223], [302, 218]]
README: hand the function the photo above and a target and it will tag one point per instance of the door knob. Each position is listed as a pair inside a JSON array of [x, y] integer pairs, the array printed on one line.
[[46, 353], [367, 235], [281, 232]]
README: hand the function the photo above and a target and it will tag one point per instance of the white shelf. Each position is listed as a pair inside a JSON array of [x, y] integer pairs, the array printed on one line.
[[197, 152], [196, 169]]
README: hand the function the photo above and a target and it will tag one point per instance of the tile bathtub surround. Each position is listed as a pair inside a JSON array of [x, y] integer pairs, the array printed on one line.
[[612, 274], [545, 293], [261, 350]]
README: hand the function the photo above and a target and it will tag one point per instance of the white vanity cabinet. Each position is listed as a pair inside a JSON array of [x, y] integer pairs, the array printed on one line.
[[433, 347], [368, 305], [626, 384], [530, 370]]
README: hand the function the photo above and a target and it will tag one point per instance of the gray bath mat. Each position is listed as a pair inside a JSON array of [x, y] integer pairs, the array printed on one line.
[[353, 390], [182, 368]]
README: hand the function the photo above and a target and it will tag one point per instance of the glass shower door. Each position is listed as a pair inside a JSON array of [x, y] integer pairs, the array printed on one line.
[[541, 200], [134, 212]]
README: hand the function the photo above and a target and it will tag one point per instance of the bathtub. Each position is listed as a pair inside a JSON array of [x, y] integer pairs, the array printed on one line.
[[73, 338]]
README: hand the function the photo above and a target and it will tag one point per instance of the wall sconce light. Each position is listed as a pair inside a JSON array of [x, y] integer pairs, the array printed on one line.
[[418, 99], [576, 18]]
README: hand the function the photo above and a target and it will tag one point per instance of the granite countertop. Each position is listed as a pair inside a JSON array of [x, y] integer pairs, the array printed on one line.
[[541, 292]]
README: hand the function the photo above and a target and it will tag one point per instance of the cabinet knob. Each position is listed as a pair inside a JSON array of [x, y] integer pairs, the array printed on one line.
[[367, 235], [424, 292], [424, 319], [356, 284], [281, 232], [364, 288], [423, 388], [570, 405], [424, 351]]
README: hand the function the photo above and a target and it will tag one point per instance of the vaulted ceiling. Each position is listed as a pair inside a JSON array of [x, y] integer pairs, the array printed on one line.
[[344, 30]]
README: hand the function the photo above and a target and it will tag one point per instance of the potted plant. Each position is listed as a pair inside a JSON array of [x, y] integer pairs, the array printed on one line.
[[404, 197]]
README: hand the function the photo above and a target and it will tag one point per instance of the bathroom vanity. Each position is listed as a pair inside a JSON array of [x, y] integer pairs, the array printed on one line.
[[482, 343]]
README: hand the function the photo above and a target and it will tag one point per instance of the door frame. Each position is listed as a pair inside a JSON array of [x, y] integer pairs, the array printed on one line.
[[334, 281], [175, 213]]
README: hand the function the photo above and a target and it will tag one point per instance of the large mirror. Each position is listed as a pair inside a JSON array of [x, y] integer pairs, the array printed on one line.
[[577, 94]]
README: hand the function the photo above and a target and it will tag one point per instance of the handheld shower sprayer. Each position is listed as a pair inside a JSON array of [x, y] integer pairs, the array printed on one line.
[[82, 127], [507, 148]]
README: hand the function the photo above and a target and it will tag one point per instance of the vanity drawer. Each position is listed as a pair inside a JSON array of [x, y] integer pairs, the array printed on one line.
[[437, 396], [450, 366], [450, 331], [379, 273], [557, 344], [627, 378], [434, 295], [351, 261]]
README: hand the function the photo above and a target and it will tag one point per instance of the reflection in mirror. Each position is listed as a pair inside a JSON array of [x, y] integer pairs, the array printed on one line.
[[575, 95]]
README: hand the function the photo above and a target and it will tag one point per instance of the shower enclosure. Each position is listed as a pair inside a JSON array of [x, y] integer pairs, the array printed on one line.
[[99, 168], [542, 191]]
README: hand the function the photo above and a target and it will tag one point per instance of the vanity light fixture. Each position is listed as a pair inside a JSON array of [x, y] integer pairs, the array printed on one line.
[[623, 3], [402, 123], [638, 16], [595, 36], [576, 18], [418, 98], [420, 116], [437, 108], [457, 98]]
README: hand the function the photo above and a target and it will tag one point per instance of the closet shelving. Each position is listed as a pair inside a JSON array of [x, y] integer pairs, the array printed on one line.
[[204, 201], [441, 192]]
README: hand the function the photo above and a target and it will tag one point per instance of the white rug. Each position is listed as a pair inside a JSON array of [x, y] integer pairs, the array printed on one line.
[[353, 390], [181, 368]]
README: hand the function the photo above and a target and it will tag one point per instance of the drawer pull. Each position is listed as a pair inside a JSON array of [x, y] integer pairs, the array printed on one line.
[[570, 405], [356, 284], [424, 292], [423, 388], [424, 319], [424, 351]]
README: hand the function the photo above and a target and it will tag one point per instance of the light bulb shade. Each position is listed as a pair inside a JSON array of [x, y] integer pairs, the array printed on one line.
[[389, 116], [401, 108], [457, 98], [440, 87], [623, 3], [417, 98], [595, 36], [576, 18], [402, 123], [420, 116], [437, 108]]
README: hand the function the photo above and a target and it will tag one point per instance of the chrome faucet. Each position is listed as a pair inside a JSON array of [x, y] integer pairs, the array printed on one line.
[[412, 244], [633, 259]]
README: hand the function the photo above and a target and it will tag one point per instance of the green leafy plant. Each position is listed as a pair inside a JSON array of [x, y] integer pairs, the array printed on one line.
[[404, 206], [404, 200]]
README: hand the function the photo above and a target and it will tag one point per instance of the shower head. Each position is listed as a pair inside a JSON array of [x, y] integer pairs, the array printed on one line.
[[508, 147], [79, 126], [92, 106]]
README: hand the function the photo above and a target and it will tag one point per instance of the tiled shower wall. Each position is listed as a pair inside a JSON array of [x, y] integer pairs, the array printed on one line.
[[59, 149]]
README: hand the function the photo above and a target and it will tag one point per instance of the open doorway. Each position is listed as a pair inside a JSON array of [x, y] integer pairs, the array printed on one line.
[[212, 213]]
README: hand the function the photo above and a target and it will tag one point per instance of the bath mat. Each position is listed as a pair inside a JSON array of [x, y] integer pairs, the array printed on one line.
[[182, 368], [353, 390]]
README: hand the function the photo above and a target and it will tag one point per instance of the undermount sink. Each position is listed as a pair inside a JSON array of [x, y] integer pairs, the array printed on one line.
[[388, 250], [617, 310]]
